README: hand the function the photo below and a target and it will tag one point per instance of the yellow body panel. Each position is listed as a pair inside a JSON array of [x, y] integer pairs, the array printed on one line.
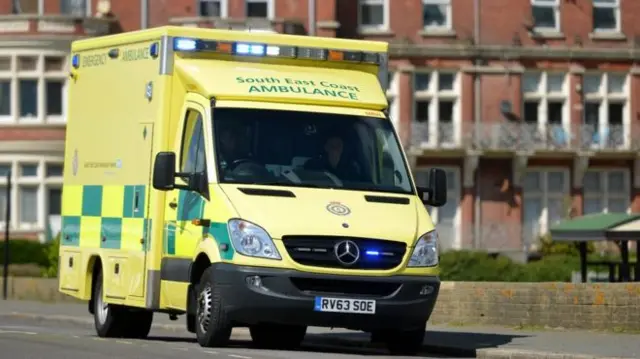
[[127, 104]]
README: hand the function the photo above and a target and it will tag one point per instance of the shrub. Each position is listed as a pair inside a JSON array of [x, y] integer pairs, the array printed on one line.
[[480, 266], [52, 252], [23, 251]]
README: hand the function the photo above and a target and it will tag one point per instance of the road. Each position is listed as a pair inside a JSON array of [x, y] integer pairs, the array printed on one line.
[[22, 338]]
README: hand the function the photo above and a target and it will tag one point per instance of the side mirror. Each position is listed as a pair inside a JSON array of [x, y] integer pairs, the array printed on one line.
[[435, 193], [164, 171]]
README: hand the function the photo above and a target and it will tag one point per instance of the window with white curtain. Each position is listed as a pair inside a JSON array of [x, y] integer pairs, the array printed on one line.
[[606, 191], [545, 192], [447, 217]]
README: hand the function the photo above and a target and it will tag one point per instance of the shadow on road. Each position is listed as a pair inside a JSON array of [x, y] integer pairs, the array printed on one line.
[[444, 343]]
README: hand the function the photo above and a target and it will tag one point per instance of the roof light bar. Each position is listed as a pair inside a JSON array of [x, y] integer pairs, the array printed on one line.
[[264, 50]]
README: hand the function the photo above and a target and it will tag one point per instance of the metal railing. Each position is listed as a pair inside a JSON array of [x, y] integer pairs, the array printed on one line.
[[511, 136]]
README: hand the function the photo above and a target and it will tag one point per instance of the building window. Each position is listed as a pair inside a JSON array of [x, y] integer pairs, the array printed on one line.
[[606, 112], [546, 117], [606, 191], [436, 120], [447, 217], [392, 97], [545, 201], [546, 15], [606, 16], [36, 193], [373, 14], [436, 14], [260, 8], [212, 8], [74, 7], [33, 88]]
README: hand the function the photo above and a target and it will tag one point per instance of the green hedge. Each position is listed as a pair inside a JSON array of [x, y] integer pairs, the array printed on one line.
[[23, 251]]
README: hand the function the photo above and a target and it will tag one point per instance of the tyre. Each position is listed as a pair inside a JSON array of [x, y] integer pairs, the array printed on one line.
[[139, 324], [108, 319], [404, 342], [213, 329], [275, 336]]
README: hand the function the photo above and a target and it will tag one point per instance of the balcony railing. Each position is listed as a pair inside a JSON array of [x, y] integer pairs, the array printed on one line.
[[510, 136], [284, 26], [443, 135]]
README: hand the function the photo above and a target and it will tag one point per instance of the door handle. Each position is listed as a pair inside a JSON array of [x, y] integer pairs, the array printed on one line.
[[173, 205]]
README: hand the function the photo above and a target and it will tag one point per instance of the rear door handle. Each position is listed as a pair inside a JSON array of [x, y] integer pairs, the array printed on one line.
[[173, 205]]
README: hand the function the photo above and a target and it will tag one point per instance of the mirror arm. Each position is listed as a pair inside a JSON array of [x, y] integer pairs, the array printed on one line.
[[181, 186]]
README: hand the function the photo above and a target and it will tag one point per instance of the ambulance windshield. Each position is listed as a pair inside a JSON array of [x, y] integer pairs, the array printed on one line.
[[305, 149]]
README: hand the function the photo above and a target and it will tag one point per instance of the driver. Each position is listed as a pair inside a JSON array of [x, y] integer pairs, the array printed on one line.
[[333, 161], [230, 145]]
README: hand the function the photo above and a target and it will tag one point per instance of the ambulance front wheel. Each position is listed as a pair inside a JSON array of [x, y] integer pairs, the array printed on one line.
[[213, 328]]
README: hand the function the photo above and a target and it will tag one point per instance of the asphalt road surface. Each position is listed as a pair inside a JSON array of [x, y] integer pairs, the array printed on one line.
[[34, 339]]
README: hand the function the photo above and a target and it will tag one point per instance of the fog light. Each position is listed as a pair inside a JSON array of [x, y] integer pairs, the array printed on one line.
[[254, 281], [426, 290]]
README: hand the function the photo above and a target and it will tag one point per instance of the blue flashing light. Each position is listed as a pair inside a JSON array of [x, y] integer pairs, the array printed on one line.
[[153, 50], [75, 61], [372, 253], [250, 49], [184, 44]]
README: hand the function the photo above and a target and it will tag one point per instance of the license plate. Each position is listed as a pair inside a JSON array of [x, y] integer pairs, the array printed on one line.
[[344, 305]]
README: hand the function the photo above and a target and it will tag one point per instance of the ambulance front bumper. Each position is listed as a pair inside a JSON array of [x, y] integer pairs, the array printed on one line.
[[254, 295]]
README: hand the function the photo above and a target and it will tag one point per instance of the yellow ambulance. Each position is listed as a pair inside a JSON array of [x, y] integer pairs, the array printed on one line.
[[243, 180]]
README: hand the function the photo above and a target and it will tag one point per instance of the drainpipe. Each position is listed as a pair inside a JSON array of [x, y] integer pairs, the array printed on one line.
[[312, 17], [144, 14], [477, 118]]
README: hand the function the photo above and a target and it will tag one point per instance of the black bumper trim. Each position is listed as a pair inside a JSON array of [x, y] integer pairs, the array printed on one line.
[[406, 301]]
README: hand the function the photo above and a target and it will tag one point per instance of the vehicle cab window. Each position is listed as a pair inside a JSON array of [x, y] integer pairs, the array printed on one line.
[[193, 151]]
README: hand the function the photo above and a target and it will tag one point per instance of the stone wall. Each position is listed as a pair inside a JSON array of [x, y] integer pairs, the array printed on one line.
[[607, 306]]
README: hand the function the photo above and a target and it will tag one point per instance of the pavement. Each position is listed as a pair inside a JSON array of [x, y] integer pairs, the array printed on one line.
[[64, 330]]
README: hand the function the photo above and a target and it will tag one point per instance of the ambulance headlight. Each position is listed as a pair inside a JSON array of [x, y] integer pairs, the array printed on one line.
[[251, 240], [425, 252]]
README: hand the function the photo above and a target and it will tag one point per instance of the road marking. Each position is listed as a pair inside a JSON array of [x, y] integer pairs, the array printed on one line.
[[123, 342], [99, 339], [210, 352], [75, 336], [16, 332], [179, 348], [239, 356]]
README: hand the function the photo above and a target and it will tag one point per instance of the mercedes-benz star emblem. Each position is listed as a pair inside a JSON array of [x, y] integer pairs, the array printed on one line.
[[347, 252]]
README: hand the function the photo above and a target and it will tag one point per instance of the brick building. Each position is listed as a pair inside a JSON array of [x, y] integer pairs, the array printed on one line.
[[532, 105]]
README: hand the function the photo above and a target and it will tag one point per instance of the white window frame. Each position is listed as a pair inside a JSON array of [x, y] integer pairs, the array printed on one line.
[[434, 95], [448, 25], [393, 97], [39, 74], [555, 5], [385, 15], [456, 242], [616, 7], [271, 9], [604, 98], [544, 194], [41, 182], [603, 173], [224, 7], [543, 96]]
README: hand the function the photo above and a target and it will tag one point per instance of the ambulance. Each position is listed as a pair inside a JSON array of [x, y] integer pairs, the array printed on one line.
[[243, 179]]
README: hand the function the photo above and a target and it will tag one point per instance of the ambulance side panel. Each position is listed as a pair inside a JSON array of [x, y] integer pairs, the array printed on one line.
[[115, 103]]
